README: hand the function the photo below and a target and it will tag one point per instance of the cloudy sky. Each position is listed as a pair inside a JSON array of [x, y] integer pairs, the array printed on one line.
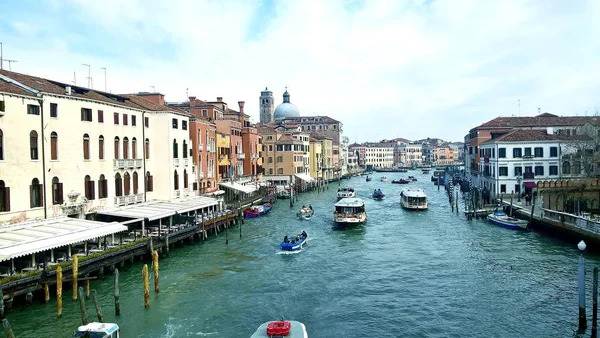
[[412, 69]]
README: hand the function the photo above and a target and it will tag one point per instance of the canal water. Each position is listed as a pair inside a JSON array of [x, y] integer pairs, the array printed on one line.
[[402, 274]]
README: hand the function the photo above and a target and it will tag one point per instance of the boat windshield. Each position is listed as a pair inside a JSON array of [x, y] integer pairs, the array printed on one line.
[[349, 210]]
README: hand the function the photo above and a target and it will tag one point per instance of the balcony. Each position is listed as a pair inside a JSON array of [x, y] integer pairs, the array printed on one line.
[[119, 164], [527, 156], [223, 157], [129, 163], [241, 156], [138, 163], [128, 200], [177, 193], [176, 162], [186, 160]]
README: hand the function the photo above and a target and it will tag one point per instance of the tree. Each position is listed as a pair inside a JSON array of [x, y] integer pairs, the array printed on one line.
[[582, 151]]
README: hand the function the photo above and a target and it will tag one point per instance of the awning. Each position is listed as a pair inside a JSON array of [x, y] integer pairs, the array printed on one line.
[[29, 238], [530, 185], [246, 189], [305, 178], [161, 209], [215, 193]]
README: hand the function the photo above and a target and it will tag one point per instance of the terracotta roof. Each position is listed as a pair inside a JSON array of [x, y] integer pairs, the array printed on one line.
[[263, 129], [326, 119], [532, 135], [148, 105], [318, 136], [542, 120]]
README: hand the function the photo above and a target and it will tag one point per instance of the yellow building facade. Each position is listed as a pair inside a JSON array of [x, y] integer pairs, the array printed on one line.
[[223, 155]]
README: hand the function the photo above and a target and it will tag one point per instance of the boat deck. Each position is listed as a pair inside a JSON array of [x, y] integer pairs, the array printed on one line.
[[298, 330]]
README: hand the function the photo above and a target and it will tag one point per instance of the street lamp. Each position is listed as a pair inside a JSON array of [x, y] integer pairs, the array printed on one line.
[[581, 277], [519, 179]]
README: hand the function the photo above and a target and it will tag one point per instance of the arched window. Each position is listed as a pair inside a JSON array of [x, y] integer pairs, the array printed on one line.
[[4, 197], [86, 146], [149, 182], [89, 188], [125, 148], [280, 171], [175, 149], [133, 148], [116, 148], [1, 146], [118, 185], [176, 180], [35, 194], [185, 179], [566, 168], [33, 145], [57, 191], [127, 184], [53, 146], [185, 151], [576, 168], [100, 150], [135, 183], [102, 187], [147, 150]]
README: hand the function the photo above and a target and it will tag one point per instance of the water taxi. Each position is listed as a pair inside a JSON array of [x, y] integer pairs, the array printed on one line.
[[97, 330], [305, 213], [294, 243], [350, 211], [283, 328], [413, 199], [345, 192], [257, 210], [502, 219]]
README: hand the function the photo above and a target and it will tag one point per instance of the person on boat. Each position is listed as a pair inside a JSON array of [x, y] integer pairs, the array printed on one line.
[[286, 239], [304, 234], [310, 207]]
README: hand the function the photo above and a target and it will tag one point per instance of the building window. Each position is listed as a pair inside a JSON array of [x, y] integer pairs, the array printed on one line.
[[176, 180], [553, 151], [100, 148], [517, 153], [86, 146], [86, 114], [57, 192], [566, 168], [2, 106], [100, 116], [185, 179], [175, 124], [127, 184], [528, 169], [33, 109], [133, 148], [502, 188], [53, 146], [538, 152], [116, 118], [149, 182], [125, 148], [553, 170], [527, 152], [175, 149], [35, 194], [33, 145], [518, 171], [1, 145], [116, 147], [147, 150], [146, 122], [53, 110], [133, 120], [125, 120], [184, 125], [502, 171], [89, 188], [539, 170], [185, 151], [280, 171], [102, 187], [118, 185], [501, 152], [576, 168], [135, 183], [4, 197]]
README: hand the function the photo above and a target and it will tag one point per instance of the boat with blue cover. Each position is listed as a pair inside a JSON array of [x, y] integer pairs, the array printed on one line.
[[257, 210], [378, 194], [294, 243], [500, 218]]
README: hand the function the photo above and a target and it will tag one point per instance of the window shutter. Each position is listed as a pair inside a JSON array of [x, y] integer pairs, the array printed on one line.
[[150, 183], [105, 188], [60, 193], [41, 195], [93, 190], [7, 199], [31, 201]]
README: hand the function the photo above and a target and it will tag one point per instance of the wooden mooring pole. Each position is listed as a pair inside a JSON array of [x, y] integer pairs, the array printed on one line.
[[7, 329], [84, 317], [155, 268], [117, 302], [75, 272], [59, 284], [595, 304], [146, 286], [97, 305]]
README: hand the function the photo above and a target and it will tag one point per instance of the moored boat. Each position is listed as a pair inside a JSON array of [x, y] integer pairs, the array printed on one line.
[[350, 211], [413, 199], [378, 194], [257, 210], [283, 328], [305, 213], [97, 330], [426, 170], [294, 243], [345, 192], [502, 219]]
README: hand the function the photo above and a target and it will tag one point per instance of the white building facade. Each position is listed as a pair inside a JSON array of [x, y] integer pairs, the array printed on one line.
[[379, 156], [410, 154]]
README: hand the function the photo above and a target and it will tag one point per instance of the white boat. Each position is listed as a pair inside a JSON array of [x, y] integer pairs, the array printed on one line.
[[413, 199], [284, 328], [97, 330], [345, 192], [502, 219], [383, 179], [350, 211], [305, 213]]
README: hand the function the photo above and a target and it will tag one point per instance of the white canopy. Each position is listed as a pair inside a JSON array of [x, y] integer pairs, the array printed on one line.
[[305, 177], [160, 209], [247, 189], [28, 238]]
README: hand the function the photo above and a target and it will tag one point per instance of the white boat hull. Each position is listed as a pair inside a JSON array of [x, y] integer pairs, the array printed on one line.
[[350, 220]]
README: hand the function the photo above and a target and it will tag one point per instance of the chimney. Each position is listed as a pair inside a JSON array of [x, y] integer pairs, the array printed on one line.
[[241, 104], [192, 98], [219, 99], [68, 90]]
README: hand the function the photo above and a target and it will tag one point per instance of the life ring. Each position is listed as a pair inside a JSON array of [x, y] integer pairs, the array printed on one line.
[[281, 328]]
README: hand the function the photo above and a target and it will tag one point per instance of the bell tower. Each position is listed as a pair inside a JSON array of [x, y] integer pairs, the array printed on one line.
[[267, 106]]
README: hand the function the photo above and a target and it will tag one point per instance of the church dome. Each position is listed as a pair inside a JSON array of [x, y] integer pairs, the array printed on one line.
[[286, 109]]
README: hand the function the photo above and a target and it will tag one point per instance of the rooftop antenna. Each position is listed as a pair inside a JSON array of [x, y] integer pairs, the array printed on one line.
[[539, 110], [519, 107], [1, 57], [104, 78], [186, 93], [9, 63], [74, 78], [89, 77], [153, 89]]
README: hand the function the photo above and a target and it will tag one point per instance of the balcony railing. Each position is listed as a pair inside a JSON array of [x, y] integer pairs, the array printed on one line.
[[186, 192], [177, 193], [223, 157], [130, 199], [186, 160], [176, 162], [138, 163], [119, 164], [241, 156], [129, 163]]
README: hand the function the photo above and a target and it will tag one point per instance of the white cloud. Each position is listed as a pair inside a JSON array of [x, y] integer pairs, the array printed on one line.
[[386, 69]]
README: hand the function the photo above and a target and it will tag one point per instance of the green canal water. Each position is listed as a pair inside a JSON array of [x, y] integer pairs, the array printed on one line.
[[402, 274]]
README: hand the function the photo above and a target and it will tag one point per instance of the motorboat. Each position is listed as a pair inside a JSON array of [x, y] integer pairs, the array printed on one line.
[[294, 243], [413, 199], [378, 195], [426, 170], [283, 328], [401, 181], [369, 179], [257, 210], [283, 194], [305, 213], [345, 192], [500, 218], [98, 330], [383, 179], [349, 211]]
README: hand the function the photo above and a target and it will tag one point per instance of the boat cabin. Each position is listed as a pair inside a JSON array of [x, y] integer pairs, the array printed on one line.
[[350, 210], [413, 198], [97, 330], [344, 192]]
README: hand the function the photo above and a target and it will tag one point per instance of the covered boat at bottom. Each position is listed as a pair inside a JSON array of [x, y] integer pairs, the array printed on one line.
[[257, 210], [97, 330], [294, 243], [500, 218], [283, 328]]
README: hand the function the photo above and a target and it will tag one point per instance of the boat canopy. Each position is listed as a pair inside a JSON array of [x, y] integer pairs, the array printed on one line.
[[414, 192], [350, 203]]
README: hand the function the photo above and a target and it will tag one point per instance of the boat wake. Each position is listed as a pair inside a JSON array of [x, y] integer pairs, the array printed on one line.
[[281, 252]]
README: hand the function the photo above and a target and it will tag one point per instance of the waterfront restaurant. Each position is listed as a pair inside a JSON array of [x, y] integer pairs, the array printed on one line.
[[35, 245], [239, 191]]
